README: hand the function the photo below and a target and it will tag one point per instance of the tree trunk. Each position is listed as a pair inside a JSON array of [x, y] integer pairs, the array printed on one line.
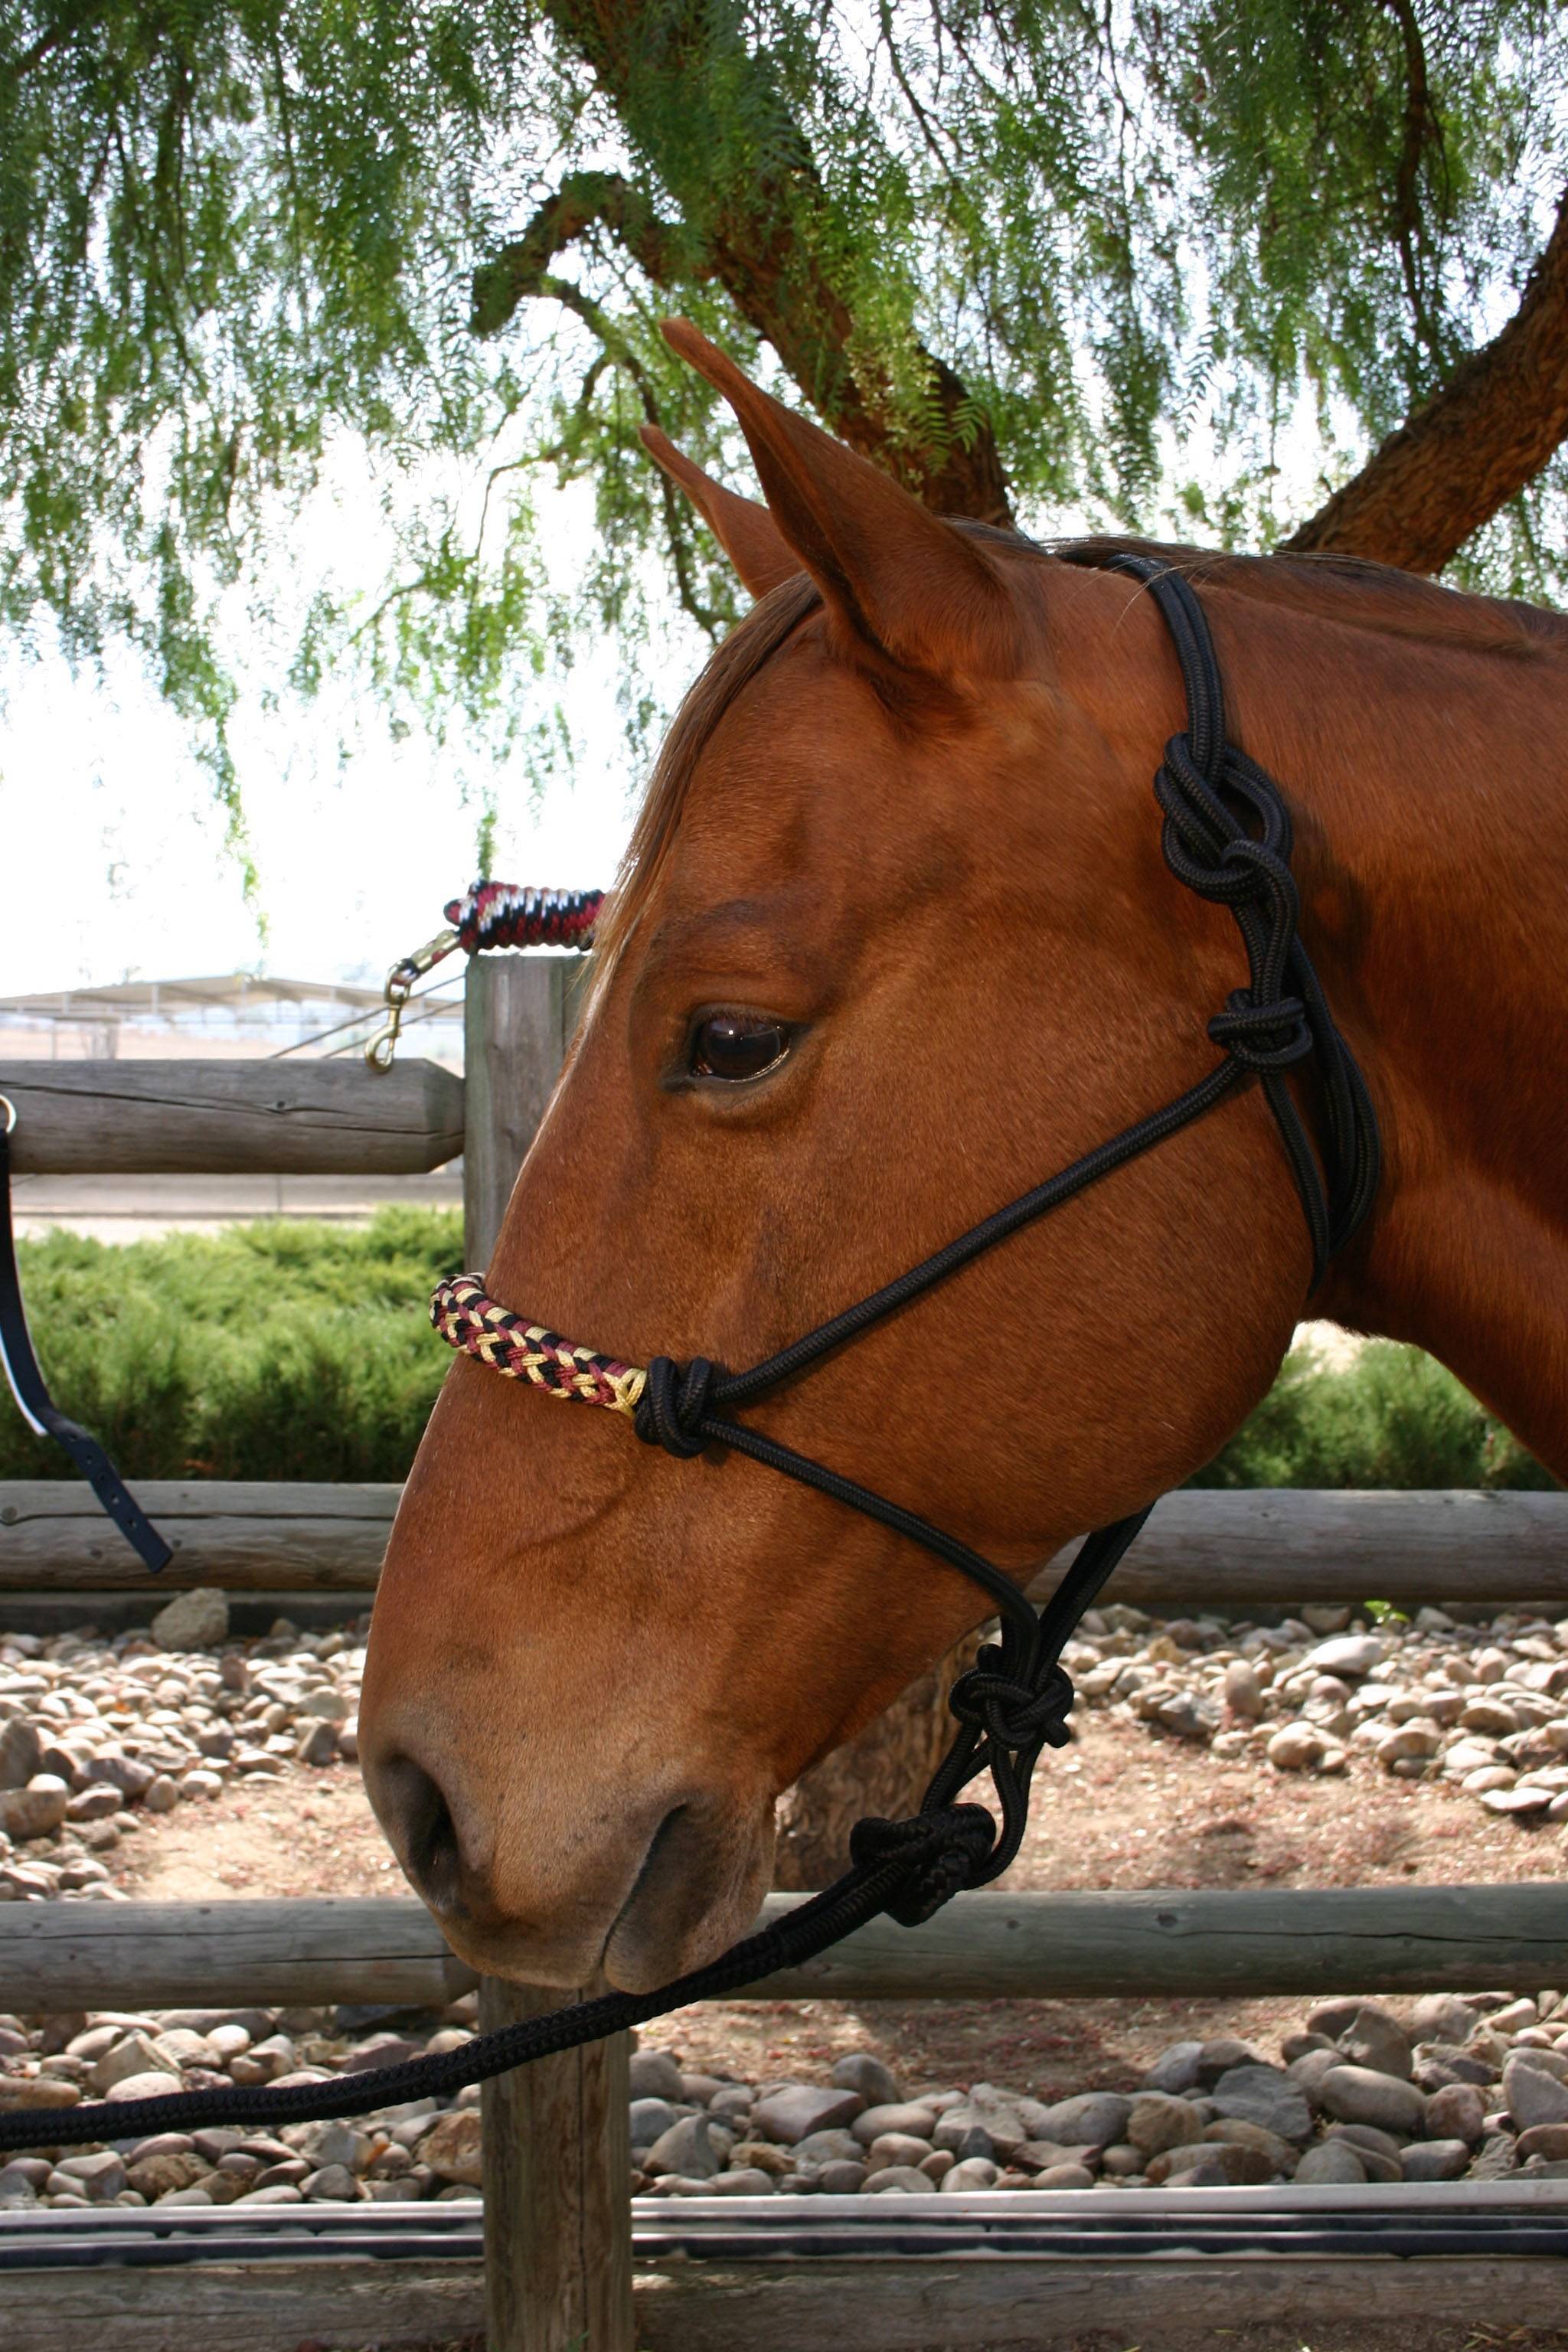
[[884, 1770], [1463, 454]]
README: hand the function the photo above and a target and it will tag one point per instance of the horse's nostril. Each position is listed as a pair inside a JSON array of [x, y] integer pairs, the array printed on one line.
[[430, 1851]]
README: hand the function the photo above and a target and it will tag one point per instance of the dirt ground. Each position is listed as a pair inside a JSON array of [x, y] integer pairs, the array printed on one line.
[[1123, 1808]]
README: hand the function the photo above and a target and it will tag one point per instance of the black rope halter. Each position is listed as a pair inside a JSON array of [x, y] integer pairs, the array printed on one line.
[[1226, 836]]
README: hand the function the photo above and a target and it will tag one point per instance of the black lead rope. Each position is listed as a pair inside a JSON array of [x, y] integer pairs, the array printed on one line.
[[37, 1407], [1015, 1699]]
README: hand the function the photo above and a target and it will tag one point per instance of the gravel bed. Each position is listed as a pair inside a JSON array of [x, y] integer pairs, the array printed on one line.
[[96, 1736], [1485, 1707], [1439, 2089]]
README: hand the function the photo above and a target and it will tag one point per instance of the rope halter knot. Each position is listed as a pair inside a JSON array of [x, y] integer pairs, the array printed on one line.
[[674, 1405], [1011, 1713]]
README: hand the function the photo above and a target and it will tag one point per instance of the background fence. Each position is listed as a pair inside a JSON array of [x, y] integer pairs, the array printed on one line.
[[558, 2220]]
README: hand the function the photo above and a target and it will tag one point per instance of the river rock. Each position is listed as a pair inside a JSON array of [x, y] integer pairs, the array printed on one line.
[[1352, 1656], [798, 2109], [1548, 2141], [1159, 2121], [451, 2148], [687, 2147], [1356, 2095], [1332, 2161], [1243, 1690], [858, 2070], [1440, 2017], [197, 1620], [654, 2075], [1176, 2069], [1092, 2119], [1456, 2112], [37, 1811], [1257, 2093], [1532, 2095], [901, 2116], [1434, 2160], [1373, 2038], [21, 1752]]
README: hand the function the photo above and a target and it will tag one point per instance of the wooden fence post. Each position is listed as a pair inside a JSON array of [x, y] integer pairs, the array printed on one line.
[[557, 2149]]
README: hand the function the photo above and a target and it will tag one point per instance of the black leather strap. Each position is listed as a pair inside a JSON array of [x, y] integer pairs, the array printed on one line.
[[39, 1408]]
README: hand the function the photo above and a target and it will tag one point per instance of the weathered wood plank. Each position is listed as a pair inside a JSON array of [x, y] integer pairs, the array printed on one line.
[[557, 2165], [1197, 1942], [517, 1017], [274, 1536], [786, 2306], [1265, 1545], [1291, 1543], [175, 1955], [232, 1118]]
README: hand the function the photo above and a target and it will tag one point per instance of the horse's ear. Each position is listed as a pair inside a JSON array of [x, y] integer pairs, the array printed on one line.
[[905, 582], [745, 530]]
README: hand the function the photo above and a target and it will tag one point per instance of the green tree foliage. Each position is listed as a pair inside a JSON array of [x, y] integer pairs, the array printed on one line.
[[1073, 262]]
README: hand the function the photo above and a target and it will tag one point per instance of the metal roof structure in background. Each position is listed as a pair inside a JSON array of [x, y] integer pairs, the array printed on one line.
[[230, 992], [223, 1012]]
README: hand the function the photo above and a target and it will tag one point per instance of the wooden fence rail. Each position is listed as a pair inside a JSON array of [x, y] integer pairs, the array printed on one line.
[[1182, 1942], [1202, 1545], [232, 1119]]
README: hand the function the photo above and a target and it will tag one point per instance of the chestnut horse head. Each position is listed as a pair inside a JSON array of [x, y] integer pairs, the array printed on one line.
[[893, 942]]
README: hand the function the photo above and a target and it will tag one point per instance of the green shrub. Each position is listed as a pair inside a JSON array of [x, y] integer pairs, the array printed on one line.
[[1393, 1417], [277, 1350], [269, 1350]]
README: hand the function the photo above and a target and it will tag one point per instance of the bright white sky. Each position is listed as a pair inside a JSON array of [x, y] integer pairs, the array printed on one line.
[[114, 858]]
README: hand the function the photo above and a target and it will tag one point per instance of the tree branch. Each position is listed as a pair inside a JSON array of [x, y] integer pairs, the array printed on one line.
[[749, 219], [584, 200], [1469, 448]]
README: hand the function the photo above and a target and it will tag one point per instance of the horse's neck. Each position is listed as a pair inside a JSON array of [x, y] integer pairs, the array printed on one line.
[[1437, 910]]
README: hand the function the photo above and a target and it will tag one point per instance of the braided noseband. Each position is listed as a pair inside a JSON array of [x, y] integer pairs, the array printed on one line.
[[1014, 1699]]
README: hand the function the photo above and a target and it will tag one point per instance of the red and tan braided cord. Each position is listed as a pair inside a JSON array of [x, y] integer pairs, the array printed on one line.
[[468, 1320]]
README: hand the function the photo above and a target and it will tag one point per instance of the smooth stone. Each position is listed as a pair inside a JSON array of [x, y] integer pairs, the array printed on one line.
[[1333, 2161], [1456, 2112], [1436, 2159], [1175, 2070], [1532, 2095], [1352, 1656], [1236, 2130], [972, 2173], [1356, 2095], [451, 2147], [1206, 2171], [334, 2184], [896, 2148], [650, 2118], [654, 2075], [1091, 2119], [197, 1620], [686, 2148], [21, 1752], [1161, 2121], [896, 2115], [1259, 2094], [899, 2179], [1374, 2038], [877, 2084], [1376, 2152], [794, 2113], [1063, 2176], [1547, 2140], [35, 1811], [841, 2178], [833, 2146]]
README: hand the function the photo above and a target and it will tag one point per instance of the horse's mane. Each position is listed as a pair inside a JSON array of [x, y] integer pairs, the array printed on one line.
[[1341, 588]]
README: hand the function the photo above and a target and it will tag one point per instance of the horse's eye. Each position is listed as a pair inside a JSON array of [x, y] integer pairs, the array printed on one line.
[[737, 1045]]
